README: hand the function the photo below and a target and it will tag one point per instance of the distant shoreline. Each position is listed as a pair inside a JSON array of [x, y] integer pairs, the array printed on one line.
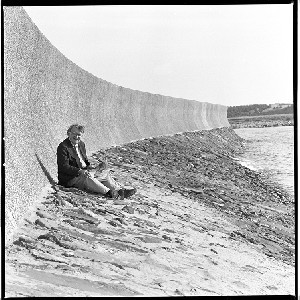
[[261, 121]]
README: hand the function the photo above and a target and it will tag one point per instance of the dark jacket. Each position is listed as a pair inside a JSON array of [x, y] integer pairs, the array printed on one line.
[[68, 161]]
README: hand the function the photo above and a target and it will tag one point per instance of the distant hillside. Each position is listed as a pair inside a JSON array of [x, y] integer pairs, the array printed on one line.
[[259, 109]]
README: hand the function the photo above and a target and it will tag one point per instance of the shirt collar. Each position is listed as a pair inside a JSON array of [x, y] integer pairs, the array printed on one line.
[[73, 145]]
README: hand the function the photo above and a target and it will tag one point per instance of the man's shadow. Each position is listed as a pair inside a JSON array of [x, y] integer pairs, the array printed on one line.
[[47, 174]]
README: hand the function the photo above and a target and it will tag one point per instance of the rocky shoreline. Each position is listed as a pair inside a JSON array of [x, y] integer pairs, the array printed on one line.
[[262, 121], [200, 224]]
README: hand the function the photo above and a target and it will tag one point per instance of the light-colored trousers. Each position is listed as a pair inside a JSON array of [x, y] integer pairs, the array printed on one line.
[[92, 184]]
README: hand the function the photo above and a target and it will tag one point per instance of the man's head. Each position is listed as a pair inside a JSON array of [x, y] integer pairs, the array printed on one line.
[[75, 132]]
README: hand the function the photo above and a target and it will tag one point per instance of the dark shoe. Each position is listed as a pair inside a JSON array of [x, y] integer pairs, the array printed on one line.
[[112, 194], [121, 194], [129, 192]]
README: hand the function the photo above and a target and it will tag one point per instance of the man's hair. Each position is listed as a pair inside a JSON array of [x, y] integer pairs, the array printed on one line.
[[79, 127]]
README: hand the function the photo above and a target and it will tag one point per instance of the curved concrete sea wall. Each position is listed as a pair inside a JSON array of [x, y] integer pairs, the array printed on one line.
[[44, 92]]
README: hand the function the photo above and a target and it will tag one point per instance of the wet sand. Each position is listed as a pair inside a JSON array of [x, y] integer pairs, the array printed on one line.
[[199, 224]]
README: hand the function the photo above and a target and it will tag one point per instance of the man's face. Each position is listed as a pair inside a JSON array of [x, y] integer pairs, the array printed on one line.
[[75, 135]]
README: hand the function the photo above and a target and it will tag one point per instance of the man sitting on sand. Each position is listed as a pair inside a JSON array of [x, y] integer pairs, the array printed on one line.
[[74, 169]]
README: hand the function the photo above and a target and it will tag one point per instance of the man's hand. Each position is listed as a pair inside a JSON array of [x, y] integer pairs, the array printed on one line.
[[84, 173], [103, 165]]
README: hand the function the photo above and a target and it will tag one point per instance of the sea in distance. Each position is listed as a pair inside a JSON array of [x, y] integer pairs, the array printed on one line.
[[270, 150]]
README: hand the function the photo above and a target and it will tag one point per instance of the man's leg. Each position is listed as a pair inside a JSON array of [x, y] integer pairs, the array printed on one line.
[[115, 186], [95, 186], [109, 182], [88, 184], [77, 182]]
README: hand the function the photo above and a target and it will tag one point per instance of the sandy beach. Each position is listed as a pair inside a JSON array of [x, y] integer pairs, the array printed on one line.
[[199, 224]]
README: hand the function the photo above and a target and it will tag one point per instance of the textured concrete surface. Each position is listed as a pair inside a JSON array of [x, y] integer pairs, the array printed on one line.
[[45, 92]]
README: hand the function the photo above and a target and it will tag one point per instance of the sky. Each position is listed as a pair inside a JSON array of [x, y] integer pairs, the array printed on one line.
[[221, 54]]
